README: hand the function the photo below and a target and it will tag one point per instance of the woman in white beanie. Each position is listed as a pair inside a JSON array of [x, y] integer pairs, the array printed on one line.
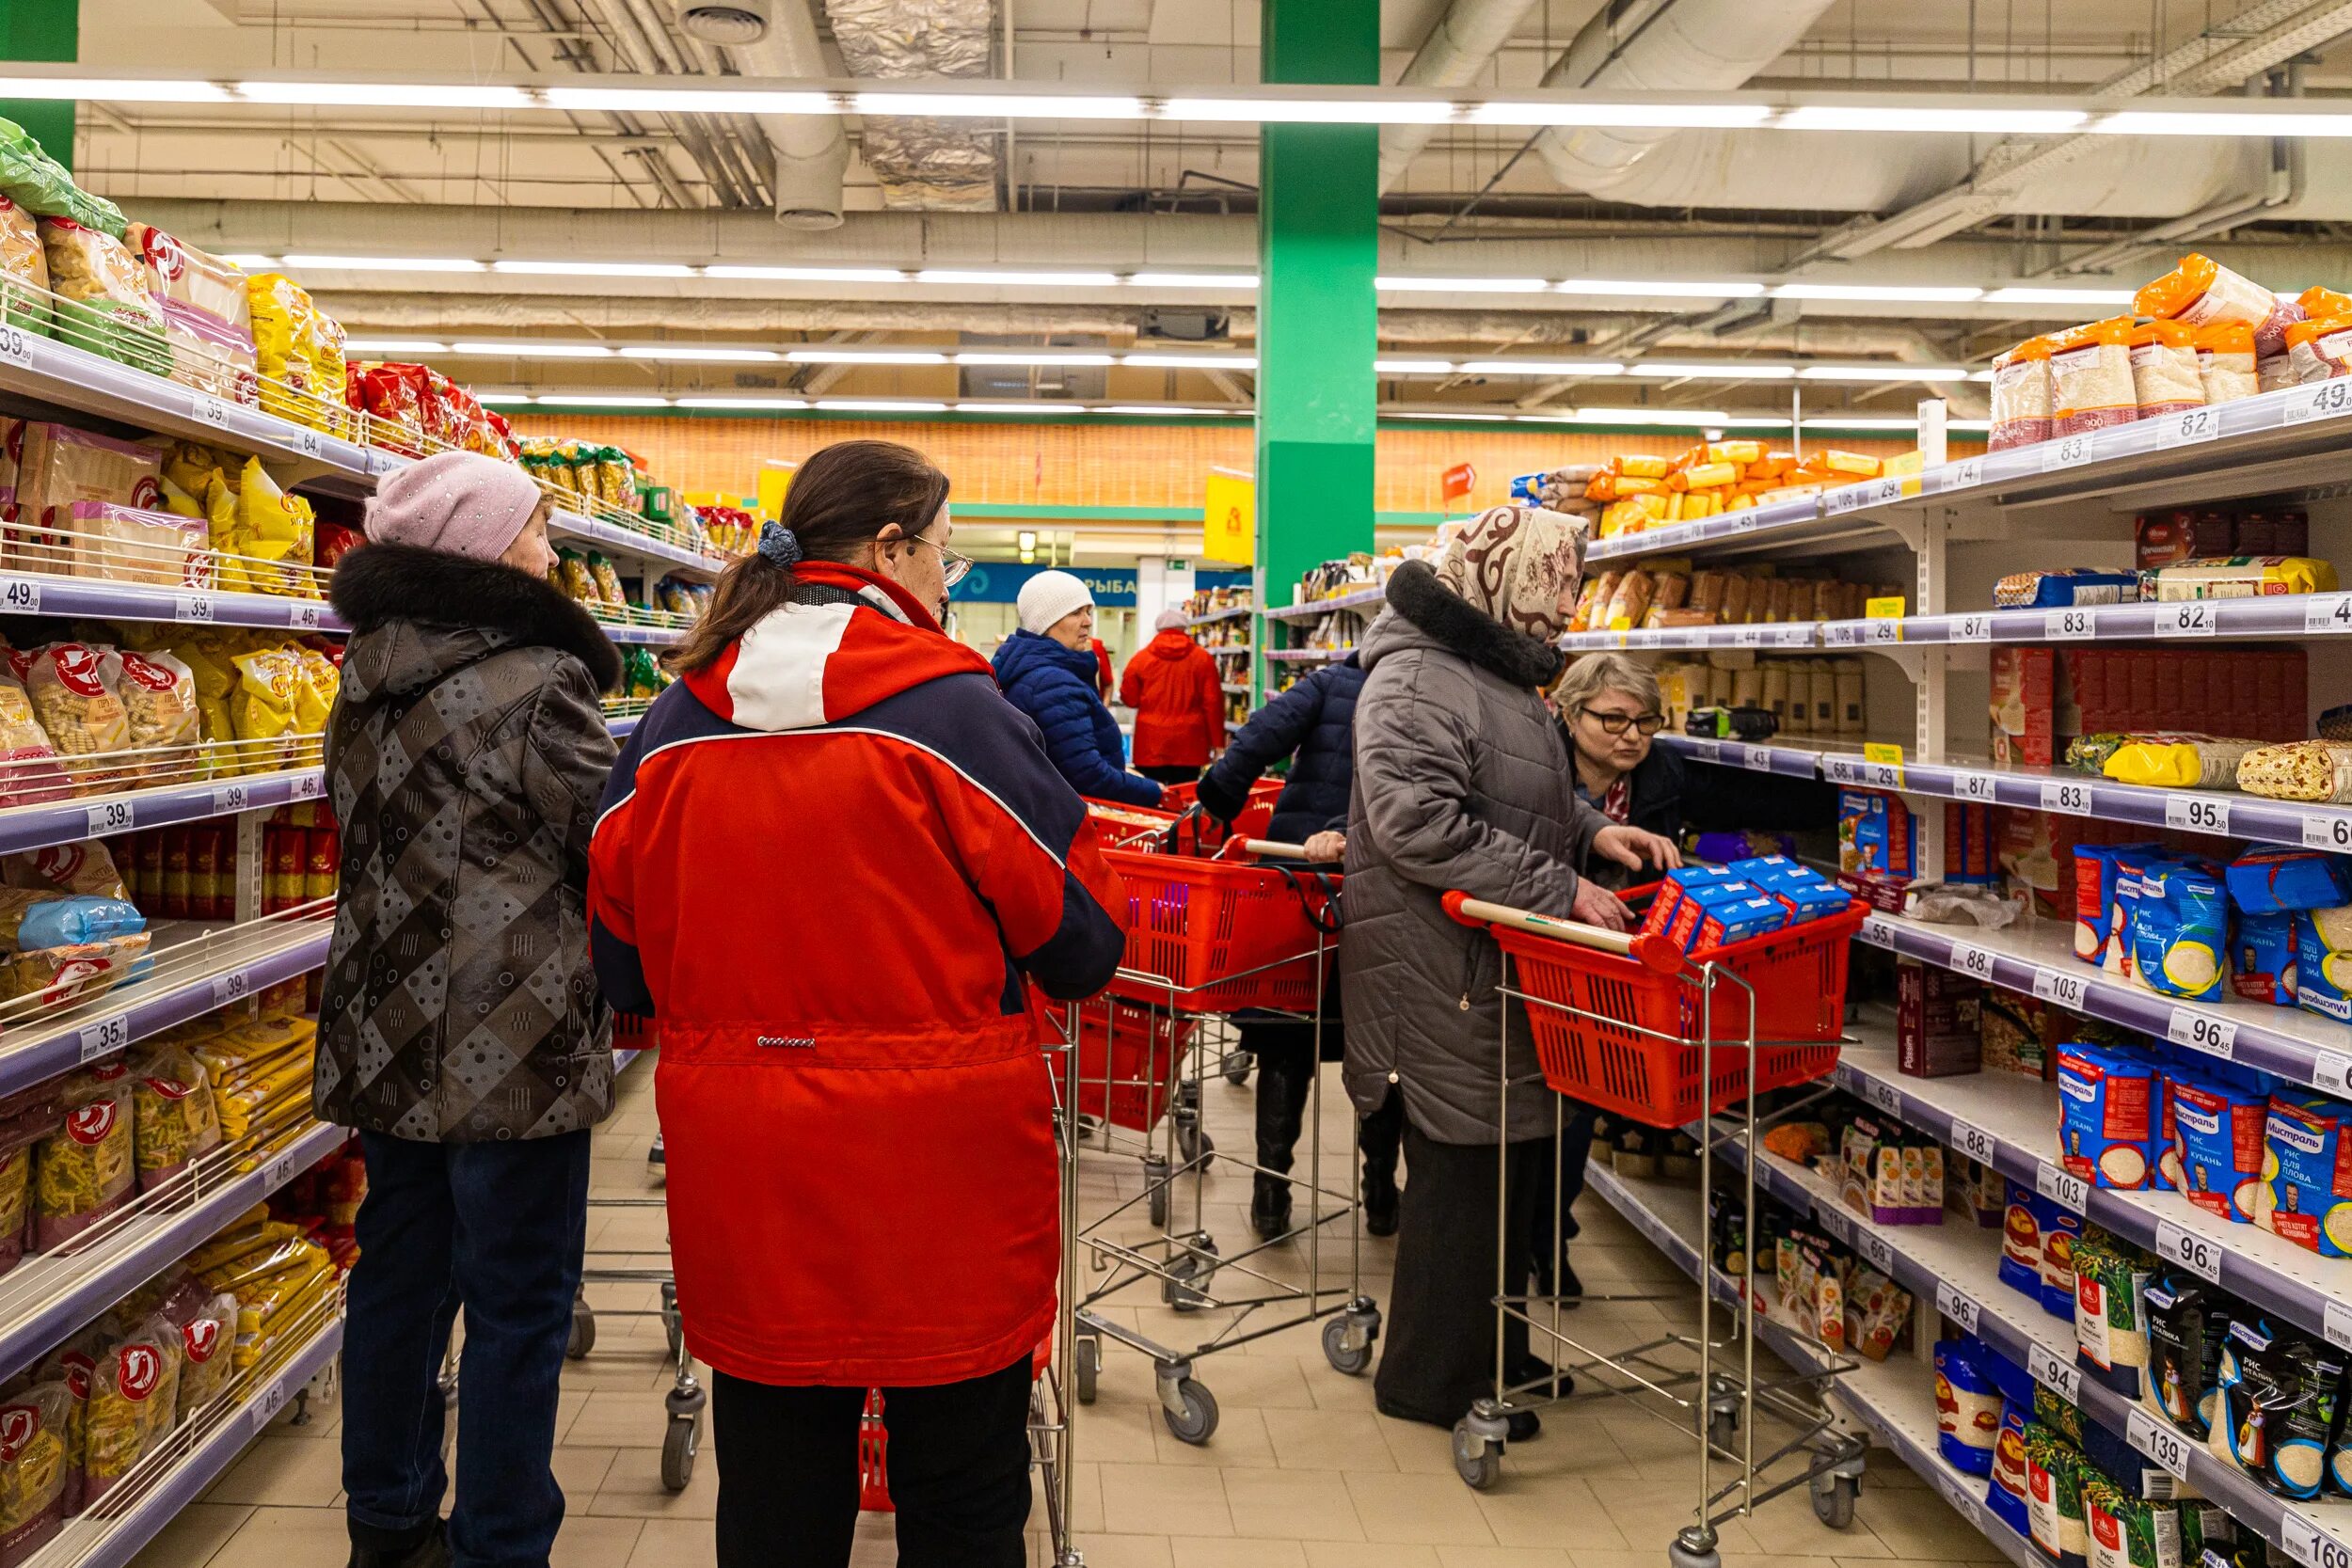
[[1047, 671]]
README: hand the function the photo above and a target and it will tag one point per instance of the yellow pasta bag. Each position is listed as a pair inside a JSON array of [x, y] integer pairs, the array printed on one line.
[[323, 345], [261, 706], [280, 309], [1641, 466], [314, 697], [173, 1122], [83, 1171], [272, 533], [208, 1350], [36, 1424], [133, 1400], [215, 677]]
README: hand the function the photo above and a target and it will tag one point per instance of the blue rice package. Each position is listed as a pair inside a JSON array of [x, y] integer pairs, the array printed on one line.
[[2100, 931], [2179, 930], [1764, 869], [2216, 1131], [1819, 901], [2004, 1488], [2320, 976], [1967, 1407], [2263, 881], [1799, 890], [2022, 1228], [2015, 1383], [2264, 954]]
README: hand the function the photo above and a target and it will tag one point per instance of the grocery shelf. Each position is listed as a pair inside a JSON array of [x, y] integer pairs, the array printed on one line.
[[196, 968], [37, 827], [1371, 594], [1236, 688], [658, 637], [1760, 634], [1235, 613], [1308, 656], [634, 542], [1793, 761], [2291, 437], [2037, 957], [1223, 651], [45, 594], [2269, 615]]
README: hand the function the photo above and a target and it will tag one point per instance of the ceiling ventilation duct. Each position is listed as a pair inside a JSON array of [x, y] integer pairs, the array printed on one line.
[[778, 37], [928, 165]]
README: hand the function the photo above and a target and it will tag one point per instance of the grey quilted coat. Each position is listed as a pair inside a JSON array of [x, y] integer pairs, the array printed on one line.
[[1461, 781], [465, 757]]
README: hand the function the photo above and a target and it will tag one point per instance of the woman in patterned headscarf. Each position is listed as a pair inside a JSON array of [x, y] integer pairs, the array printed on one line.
[[1462, 782]]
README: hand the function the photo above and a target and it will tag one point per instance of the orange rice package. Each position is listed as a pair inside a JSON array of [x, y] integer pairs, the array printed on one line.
[[2201, 290], [2023, 411], [2163, 369], [2091, 377], [2225, 361]]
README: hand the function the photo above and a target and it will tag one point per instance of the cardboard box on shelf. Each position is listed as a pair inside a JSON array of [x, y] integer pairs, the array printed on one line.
[[1937, 1021]]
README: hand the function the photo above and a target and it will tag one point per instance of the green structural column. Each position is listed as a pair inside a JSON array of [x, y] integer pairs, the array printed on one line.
[[1318, 322], [43, 30]]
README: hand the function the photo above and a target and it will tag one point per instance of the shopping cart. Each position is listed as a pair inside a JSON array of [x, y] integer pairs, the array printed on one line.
[[1628, 1023]]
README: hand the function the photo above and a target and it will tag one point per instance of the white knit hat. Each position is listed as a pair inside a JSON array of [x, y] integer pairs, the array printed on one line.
[[1048, 596]]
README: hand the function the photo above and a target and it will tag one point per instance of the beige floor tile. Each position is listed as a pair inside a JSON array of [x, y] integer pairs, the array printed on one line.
[[1427, 1509], [1327, 1440], [1302, 1505], [194, 1535], [1547, 1512], [289, 1535], [1125, 1551], [1238, 1552], [588, 1541], [1377, 1554], [284, 1470], [1503, 1557], [1915, 1526], [616, 1418], [1119, 1433], [674, 1544], [1147, 1499], [1240, 1440]]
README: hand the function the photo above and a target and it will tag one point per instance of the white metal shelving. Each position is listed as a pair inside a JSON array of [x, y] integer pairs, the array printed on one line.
[[1355, 598]]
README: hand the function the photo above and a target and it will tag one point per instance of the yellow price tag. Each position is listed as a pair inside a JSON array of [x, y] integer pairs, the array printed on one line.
[[1888, 608], [1883, 751]]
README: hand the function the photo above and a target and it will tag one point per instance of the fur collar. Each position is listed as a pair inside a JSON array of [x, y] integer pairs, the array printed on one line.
[[378, 583], [1414, 593]]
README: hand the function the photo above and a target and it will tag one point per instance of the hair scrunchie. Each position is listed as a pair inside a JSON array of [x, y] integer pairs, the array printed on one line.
[[779, 544]]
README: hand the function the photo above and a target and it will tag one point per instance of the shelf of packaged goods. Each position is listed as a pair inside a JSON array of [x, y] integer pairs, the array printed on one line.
[[1775, 634], [110, 1535], [1232, 650], [1235, 613], [2037, 957], [1956, 1267], [1357, 599], [2010, 1122], [1895, 1399], [2272, 615], [1793, 761], [1236, 688], [68, 382], [634, 542], [37, 827], [2290, 438], [1308, 656], [196, 969], [658, 637], [49, 1296], [42, 594]]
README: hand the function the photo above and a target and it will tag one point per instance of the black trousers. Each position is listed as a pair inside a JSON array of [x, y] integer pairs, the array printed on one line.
[[1438, 1347], [1576, 1148], [958, 1463], [1285, 1049], [1170, 774]]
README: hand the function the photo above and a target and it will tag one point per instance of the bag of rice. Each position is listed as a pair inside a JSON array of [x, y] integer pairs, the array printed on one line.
[[2318, 351], [2163, 369], [1967, 1407], [2225, 361], [2200, 290], [104, 305], [2323, 971], [2179, 930], [2186, 1320], [2264, 956], [2024, 400], [2276, 1408], [2307, 1168], [2054, 1496], [2243, 577], [2125, 1531], [84, 1172], [2267, 880], [2107, 1125], [2091, 377], [2111, 1317]]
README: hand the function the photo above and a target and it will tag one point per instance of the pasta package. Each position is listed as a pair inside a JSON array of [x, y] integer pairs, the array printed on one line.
[[2074, 585], [126, 544], [207, 318], [16, 1205], [104, 303], [173, 1122], [2244, 577], [29, 771], [2202, 291], [35, 1465], [158, 695], [275, 535], [207, 1346], [84, 1172], [2091, 377], [280, 311], [263, 706], [133, 1400], [314, 695], [2314, 770], [57, 466], [80, 708], [24, 269]]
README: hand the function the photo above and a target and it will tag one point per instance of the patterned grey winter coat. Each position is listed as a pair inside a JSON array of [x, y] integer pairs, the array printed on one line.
[[465, 756]]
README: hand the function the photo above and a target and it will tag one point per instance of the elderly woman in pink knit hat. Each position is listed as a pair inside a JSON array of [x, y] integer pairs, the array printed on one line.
[[461, 1030]]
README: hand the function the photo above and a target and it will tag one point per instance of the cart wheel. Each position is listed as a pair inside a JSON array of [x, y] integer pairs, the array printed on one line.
[[1197, 1423], [1237, 1065], [1186, 1286], [1155, 1175], [1157, 1203], [1684, 1554], [1723, 1424], [582, 1338], [1190, 1141], [1085, 1366], [1477, 1459], [1833, 1501], [679, 1447], [1346, 1346], [1189, 1094]]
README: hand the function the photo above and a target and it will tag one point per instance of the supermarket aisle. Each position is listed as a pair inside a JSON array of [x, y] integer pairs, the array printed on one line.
[[1301, 1474]]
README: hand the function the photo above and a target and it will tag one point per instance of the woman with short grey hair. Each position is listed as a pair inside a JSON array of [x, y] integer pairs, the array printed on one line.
[[1610, 714]]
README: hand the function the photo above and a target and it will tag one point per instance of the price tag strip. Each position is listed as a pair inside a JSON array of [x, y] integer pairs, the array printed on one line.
[[2160, 1441], [2198, 1254], [2062, 1187], [2071, 799], [2059, 985], [2197, 814], [2057, 1373], [1955, 1304], [2310, 1545], [1967, 1138], [2202, 1031]]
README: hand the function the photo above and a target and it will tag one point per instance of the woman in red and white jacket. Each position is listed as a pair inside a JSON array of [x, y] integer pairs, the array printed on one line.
[[831, 862]]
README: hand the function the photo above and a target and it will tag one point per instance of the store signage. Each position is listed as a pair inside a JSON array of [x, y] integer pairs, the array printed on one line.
[[1229, 517], [999, 582], [1458, 482]]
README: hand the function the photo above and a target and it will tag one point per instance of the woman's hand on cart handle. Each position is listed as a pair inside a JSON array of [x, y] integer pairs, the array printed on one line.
[[1646, 948], [1596, 905], [1635, 848], [1315, 848]]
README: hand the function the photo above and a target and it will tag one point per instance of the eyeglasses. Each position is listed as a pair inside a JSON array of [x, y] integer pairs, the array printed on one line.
[[953, 567], [1617, 723]]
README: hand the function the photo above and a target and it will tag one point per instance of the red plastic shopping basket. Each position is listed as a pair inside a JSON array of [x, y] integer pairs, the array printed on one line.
[[1129, 1056], [1799, 975]]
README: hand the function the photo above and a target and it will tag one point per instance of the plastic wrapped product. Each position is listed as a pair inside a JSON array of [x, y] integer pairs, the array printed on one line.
[[2274, 373], [29, 771], [2309, 355], [133, 1400], [2181, 931], [207, 1340], [2107, 1111], [1967, 1407], [2308, 1166], [2061, 1228], [2323, 973], [2091, 377], [2111, 1317], [84, 1172], [2178, 761], [2101, 937], [2314, 770], [2075, 585], [2267, 880], [2163, 369], [2201, 292], [2225, 361], [35, 1467], [81, 709], [59, 465], [2264, 954], [173, 1123], [2244, 577], [207, 318], [2187, 1321], [2125, 1531], [129, 545], [2219, 1131], [281, 311], [2054, 1498], [24, 270], [104, 305], [2276, 1409], [2024, 406], [2021, 1239], [2089, 754], [2005, 1491]]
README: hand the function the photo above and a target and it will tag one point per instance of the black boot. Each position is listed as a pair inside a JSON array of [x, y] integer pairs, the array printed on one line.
[[1380, 1135], [1284, 1077], [432, 1551], [1269, 1206], [1380, 1203]]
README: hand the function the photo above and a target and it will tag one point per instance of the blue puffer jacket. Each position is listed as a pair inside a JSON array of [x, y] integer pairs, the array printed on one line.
[[1055, 687], [1316, 719]]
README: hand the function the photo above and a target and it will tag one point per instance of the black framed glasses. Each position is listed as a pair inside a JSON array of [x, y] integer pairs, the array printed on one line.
[[1617, 723]]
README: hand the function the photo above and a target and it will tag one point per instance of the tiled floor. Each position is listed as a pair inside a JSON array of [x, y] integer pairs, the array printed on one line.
[[1300, 1474]]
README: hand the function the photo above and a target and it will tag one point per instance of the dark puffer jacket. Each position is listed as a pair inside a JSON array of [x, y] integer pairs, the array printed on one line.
[[1055, 687], [465, 756], [1316, 719]]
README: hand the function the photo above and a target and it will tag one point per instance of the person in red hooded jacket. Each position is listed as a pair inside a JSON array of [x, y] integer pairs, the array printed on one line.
[[1174, 687], [831, 862]]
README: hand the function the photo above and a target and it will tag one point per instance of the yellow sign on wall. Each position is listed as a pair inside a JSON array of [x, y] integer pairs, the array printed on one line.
[[774, 480], [1228, 518]]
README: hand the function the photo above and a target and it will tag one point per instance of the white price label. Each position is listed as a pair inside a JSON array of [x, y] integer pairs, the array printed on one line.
[[1882, 775], [2215, 1037], [307, 787], [2159, 1440], [279, 1171], [1834, 1220], [1842, 634], [20, 595], [111, 816], [1974, 1141], [16, 345], [2062, 1187], [2190, 618], [2321, 400], [212, 411], [2200, 1254], [227, 798], [309, 443], [192, 607], [2197, 424], [1847, 498], [1969, 958], [230, 987], [1794, 635], [1841, 770], [1885, 629], [1955, 1304], [2332, 1072], [1708, 751], [1963, 475], [2054, 1371], [2068, 452], [2068, 626], [268, 1403], [2071, 799], [1962, 1501], [1759, 759], [1877, 930], [1975, 787], [107, 1035], [2310, 1545], [2325, 613], [2056, 985], [1747, 637], [1875, 1250], [304, 617], [2197, 814], [1971, 628], [1883, 1095], [2337, 1323], [2328, 833], [1746, 518]]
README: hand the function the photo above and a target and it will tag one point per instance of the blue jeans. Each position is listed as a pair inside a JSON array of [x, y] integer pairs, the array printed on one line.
[[498, 1229]]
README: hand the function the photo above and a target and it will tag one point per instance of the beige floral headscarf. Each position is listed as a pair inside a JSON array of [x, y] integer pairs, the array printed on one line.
[[1517, 563]]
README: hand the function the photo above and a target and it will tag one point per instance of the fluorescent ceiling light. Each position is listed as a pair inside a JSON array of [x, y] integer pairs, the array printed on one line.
[[1043, 357], [384, 263], [1882, 373], [394, 345], [1716, 370], [807, 274], [597, 269], [602, 400], [1543, 367], [1984, 122], [2022, 293], [503, 400], [1864, 422], [250, 261], [1968, 424], [1149, 410], [1659, 288], [1326, 111], [1193, 361], [995, 105], [878, 405], [109, 89], [524, 348], [743, 405], [1018, 279], [2139, 122], [388, 95], [1463, 285], [1194, 280], [1652, 416], [1677, 117], [691, 354], [1030, 406], [689, 100], [1411, 367], [1897, 293], [1436, 414], [866, 356]]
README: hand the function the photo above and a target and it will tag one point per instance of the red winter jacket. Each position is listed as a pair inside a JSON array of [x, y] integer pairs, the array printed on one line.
[[1176, 691], [826, 865]]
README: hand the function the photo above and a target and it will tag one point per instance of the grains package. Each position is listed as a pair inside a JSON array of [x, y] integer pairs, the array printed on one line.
[[207, 318], [2179, 761], [2054, 1496], [207, 1347], [173, 1122], [2265, 955], [2061, 1230], [29, 770], [82, 711], [1967, 1407], [2179, 930], [34, 1467], [2311, 771], [2187, 1321], [2217, 1131], [2091, 376], [2225, 361], [2111, 1315], [314, 695], [2306, 1166], [129, 545], [58, 466], [275, 535], [281, 311], [84, 1171], [2201, 292], [2319, 351], [104, 303], [2107, 1116], [2005, 1493], [323, 345], [133, 1400], [24, 270], [158, 694], [263, 706], [2276, 1410], [2163, 369], [2023, 397]]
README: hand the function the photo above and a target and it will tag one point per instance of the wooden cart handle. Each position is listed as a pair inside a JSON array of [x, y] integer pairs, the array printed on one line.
[[1648, 948], [1276, 850]]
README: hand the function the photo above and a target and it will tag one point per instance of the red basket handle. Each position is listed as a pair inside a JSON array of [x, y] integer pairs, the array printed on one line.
[[1646, 948]]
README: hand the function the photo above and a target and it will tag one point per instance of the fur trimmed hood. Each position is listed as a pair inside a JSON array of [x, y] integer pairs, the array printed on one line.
[[1449, 622], [461, 610]]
